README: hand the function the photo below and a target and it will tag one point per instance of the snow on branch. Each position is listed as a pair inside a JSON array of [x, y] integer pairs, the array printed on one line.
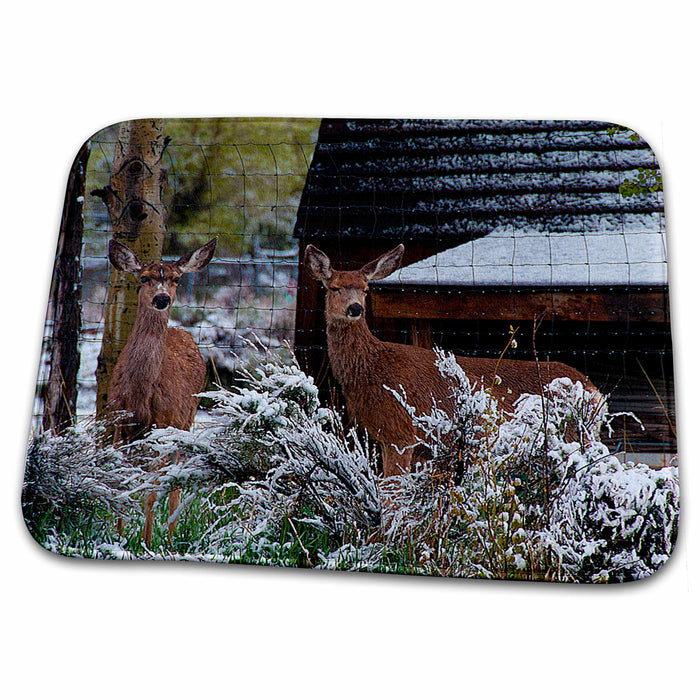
[[275, 478]]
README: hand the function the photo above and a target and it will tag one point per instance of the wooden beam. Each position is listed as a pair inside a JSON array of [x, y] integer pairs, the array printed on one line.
[[421, 333], [609, 304]]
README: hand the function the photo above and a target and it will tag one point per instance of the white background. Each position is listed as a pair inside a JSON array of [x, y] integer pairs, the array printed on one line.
[[74, 629]]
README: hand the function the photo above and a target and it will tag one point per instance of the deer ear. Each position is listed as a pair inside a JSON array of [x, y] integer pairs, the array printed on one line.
[[384, 265], [123, 258], [196, 260], [317, 263]]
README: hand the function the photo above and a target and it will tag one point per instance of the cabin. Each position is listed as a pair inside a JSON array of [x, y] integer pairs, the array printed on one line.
[[551, 230]]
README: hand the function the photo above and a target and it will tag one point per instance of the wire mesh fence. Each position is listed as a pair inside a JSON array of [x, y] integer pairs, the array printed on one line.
[[554, 228], [238, 180]]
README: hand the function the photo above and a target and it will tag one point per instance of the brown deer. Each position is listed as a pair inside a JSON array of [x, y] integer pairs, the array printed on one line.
[[364, 365], [160, 370]]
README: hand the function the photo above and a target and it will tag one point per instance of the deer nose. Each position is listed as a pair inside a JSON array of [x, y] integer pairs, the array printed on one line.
[[354, 310], [161, 301]]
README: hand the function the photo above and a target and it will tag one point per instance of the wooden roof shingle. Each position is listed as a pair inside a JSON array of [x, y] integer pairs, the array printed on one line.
[[456, 180]]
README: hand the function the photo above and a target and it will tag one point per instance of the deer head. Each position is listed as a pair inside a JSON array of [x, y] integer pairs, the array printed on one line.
[[346, 292], [159, 280]]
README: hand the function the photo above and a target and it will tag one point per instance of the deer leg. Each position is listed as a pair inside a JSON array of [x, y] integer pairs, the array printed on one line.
[[116, 440], [395, 461], [173, 503], [150, 517]]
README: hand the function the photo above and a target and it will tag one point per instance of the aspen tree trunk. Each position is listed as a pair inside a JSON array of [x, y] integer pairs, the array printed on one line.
[[134, 201], [62, 388]]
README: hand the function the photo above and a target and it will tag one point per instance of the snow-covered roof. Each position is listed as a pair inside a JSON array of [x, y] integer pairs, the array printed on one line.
[[535, 258], [451, 181]]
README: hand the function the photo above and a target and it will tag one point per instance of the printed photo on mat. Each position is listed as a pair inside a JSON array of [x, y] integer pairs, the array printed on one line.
[[431, 347]]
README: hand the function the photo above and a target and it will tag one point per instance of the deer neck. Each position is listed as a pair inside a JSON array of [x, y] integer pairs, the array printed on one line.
[[146, 346], [352, 349]]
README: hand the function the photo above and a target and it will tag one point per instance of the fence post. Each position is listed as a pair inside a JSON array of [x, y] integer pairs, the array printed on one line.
[[62, 388]]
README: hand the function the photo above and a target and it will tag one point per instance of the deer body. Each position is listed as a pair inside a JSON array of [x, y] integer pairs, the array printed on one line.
[[364, 366], [155, 380], [160, 369]]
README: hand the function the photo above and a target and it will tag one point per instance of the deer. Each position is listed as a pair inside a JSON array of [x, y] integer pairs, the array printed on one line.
[[160, 371], [367, 368]]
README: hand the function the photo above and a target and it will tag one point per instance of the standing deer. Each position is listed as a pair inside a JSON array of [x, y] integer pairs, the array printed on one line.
[[364, 365], [160, 370]]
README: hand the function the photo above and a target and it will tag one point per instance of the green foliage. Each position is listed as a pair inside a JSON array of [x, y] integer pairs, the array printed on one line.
[[647, 180], [617, 129], [239, 179], [273, 479]]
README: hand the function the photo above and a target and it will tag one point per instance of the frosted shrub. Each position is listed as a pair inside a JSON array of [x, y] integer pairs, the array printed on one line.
[[535, 495], [605, 520], [79, 478], [615, 522], [273, 478], [318, 493], [461, 514], [276, 468]]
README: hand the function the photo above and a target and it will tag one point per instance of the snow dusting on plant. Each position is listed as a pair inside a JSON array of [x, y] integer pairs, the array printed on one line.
[[273, 477]]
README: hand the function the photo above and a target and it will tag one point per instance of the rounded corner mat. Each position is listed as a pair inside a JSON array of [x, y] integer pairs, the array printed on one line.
[[430, 347]]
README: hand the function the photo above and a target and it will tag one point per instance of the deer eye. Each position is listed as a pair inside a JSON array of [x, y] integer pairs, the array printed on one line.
[[144, 279], [334, 289]]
